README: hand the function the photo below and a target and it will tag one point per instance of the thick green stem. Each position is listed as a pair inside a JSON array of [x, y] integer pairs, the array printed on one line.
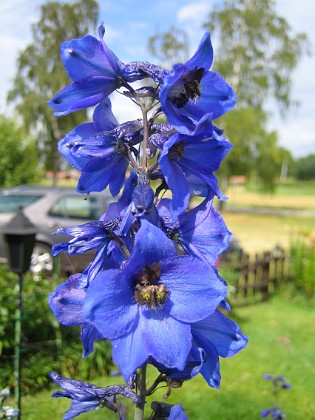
[[141, 391]]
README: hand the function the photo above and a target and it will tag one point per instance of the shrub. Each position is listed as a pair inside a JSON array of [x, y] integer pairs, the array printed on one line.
[[45, 345]]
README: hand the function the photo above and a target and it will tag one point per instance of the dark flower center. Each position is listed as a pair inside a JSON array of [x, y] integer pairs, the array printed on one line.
[[147, 292], [176, 151], [186, 88]]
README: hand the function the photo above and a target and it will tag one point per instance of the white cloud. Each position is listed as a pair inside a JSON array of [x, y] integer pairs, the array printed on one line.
[[193, 11]]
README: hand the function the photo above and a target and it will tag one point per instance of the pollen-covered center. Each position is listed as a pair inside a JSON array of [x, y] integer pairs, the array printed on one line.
[[147, 292], [186, 88]]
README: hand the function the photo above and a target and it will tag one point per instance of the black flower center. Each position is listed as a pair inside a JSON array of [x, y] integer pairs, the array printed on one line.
[[176, 151], [147, 292], [186, 88]]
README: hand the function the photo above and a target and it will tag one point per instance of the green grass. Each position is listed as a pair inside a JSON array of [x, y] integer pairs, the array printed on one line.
[[281, 342]]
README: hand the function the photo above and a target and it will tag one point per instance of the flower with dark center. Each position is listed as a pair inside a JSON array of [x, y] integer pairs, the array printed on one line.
[[146, 307], [190, 90]]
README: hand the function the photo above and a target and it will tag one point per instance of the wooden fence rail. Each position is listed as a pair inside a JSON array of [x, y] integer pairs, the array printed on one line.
[[256, 276]]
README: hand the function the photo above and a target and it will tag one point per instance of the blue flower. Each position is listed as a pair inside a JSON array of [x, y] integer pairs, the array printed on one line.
[[95, 150], [146, 308], [275, 413], [201, 231], [217, 336], [189, 91], [164, 411], [187, 158], [88, 397], [66, 302], [95, 71]]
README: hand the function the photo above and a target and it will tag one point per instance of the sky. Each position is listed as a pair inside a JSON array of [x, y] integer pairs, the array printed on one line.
[[130, 23]]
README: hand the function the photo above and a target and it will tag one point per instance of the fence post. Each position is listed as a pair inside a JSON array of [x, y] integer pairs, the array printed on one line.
[[265, 276]]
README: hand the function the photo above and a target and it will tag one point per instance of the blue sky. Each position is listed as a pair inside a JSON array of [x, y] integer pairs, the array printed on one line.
[[129, 23]]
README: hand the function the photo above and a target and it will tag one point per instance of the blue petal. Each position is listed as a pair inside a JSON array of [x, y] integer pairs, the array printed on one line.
[[67, 300], [82, 94], [195, 288], [79, 407], [223, 333], [177, 183], [88, 335], [165, 339], [203, 57], [103, 117], [109, 303], [151, 245], [203, 232], [210, 369], [217, 96], [177, 413], [129, 353], [71, 142], [88, 56]]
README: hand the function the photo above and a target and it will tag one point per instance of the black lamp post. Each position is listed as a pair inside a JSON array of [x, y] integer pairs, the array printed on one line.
[[19, 235]]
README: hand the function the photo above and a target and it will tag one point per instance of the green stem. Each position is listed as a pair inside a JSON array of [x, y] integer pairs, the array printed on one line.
[[141, 391]]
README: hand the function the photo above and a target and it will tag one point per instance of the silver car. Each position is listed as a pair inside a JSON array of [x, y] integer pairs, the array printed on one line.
[[50, 208]]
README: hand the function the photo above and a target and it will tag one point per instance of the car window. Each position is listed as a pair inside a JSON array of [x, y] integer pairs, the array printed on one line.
[[12, 202], [76, 207]]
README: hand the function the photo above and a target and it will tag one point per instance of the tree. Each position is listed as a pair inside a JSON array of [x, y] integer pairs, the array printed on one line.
[[170, 47], [40, 73], [304, 167], [256, 53], [18, 155]]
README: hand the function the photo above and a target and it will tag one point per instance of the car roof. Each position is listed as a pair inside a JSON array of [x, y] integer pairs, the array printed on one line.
[[36, 189]]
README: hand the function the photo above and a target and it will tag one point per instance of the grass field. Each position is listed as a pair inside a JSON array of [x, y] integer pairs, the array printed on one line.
[[281, 342]]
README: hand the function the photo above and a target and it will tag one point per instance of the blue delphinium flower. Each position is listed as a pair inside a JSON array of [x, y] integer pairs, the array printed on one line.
[[95, 71], [201, 231], [96, 150], [196, 156], [164, 411], [88, 397], [147, 307], [279, 383], [190, 91]]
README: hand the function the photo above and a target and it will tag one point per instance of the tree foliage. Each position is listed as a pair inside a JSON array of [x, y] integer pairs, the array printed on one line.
[[304, 167], [256, 52], [170, 47], [18, 155], [40, 73]]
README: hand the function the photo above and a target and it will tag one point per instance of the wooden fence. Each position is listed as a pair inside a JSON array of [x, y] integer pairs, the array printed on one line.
[[255, 276]]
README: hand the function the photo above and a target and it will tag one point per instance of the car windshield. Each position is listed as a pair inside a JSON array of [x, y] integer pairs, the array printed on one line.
[[12, 202]]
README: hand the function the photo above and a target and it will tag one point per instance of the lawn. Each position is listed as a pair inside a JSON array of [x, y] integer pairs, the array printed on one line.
[[281, 342]]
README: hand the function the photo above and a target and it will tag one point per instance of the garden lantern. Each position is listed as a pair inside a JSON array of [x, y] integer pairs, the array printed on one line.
[[19, 235]]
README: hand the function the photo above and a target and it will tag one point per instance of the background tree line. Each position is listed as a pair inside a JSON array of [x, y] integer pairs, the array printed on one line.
[[258, 60]]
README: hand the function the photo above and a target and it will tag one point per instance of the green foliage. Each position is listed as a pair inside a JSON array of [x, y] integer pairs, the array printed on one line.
[[256, 52], [261, 51], [34, 85], [45, 345], [170, 47], [304, 168], [302, 266], [18, 155]]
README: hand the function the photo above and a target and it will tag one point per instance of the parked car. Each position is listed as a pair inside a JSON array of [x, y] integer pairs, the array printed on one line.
[[50, 208]]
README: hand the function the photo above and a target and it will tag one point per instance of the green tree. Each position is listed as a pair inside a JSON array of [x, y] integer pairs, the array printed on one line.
[[40, 73], [256, 52], [304, 167], [18, 155], [170, 47]]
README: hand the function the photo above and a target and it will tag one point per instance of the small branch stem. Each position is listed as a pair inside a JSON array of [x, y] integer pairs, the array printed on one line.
[[141, 391]]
